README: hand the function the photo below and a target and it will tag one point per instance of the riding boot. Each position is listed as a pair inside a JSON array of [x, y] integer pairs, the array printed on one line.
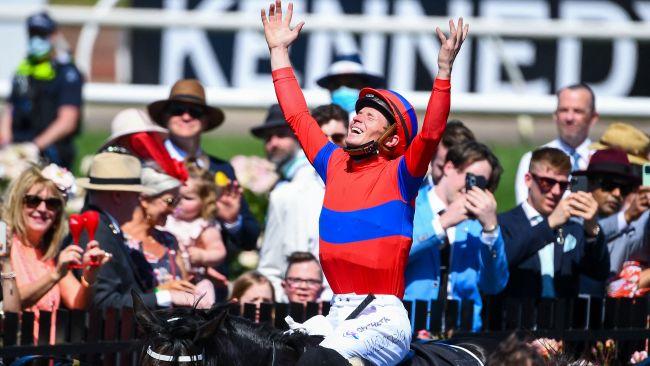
[[321, 356]]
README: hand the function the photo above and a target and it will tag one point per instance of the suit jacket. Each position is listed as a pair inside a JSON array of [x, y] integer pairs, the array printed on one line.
[[578, 255], [127, 270], [246, 237]]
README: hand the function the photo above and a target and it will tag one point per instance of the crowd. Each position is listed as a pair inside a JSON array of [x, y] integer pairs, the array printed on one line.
[[170, 215]]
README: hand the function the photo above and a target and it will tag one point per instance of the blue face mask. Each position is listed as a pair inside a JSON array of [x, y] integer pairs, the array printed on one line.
[[38, 47], [345, 98]]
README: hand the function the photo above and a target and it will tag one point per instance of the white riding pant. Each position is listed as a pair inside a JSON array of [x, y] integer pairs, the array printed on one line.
[[381, 334]]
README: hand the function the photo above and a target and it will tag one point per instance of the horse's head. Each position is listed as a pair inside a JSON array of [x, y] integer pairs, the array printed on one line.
[[179, 336]]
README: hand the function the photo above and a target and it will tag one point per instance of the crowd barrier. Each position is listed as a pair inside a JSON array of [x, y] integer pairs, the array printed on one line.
[[110, 337]]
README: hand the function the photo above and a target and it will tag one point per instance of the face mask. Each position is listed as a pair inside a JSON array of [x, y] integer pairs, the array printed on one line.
[[38, 47], [345, 98]]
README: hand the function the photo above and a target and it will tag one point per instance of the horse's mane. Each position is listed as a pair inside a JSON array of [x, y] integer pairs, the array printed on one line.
[[221, 338]]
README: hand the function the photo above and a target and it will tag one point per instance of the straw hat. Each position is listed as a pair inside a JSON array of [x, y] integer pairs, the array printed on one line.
[[626, 137], [130, 121], [157, 182], [114, 172], [189, 91]]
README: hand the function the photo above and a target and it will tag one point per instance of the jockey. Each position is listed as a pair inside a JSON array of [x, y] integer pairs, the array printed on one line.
[[366, 222]]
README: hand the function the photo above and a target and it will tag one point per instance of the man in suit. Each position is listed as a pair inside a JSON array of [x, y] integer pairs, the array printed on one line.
[[114, 187], [550, 240], [457, 229], [611, 181], [187, 116]]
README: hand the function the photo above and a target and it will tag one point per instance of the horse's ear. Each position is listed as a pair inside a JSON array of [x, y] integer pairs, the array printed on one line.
[[208, 329], [149, 322]]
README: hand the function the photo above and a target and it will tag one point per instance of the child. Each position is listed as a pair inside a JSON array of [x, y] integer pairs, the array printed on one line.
[[197, 231]]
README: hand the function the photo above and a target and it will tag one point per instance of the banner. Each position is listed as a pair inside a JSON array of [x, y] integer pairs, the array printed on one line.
[[618, 67]]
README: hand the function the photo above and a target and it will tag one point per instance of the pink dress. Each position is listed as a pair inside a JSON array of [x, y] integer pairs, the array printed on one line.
[[29, 266], [187, 234]]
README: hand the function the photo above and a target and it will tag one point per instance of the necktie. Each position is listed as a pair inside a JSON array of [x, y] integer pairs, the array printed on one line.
[[575, 160]]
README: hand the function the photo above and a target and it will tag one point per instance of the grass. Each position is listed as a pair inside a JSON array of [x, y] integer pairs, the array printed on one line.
[[226, 147]]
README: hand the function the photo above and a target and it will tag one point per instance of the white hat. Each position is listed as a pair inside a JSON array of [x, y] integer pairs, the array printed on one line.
[[157, 182], [131, 121]]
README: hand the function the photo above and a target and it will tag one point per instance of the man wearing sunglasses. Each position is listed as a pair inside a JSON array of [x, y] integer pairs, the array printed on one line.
[[187, 116], [550, 239], [294, 203], [611, 181]]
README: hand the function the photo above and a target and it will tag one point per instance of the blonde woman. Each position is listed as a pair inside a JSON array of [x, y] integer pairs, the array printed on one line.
[[34, 214]]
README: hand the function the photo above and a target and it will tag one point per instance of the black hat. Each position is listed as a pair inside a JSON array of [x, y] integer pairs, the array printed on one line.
[[41, 23], [274, 120]]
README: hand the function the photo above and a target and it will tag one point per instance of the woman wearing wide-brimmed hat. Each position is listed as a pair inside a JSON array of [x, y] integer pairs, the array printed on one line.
[[187, 115]]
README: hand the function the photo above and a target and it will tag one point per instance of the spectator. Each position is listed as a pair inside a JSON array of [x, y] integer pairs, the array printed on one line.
[[195, 227], [10, 301], [252, 288], [333, 121], [345, 78], [455, 134], [574, 116], [44, 107], [114, 188], [610, 181], [34, 213], [513, 352], [294, 204], [457, 230], [303, 281], [133, 130], [159, 247], [547, 251], [186, 115]]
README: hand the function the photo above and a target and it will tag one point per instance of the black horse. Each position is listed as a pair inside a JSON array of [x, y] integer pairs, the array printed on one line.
[[193, 337]]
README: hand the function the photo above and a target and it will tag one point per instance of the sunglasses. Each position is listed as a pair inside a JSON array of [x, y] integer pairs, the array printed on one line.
[[171, 201], [52, 204], [609, 185], [546, 184], [181, 109]]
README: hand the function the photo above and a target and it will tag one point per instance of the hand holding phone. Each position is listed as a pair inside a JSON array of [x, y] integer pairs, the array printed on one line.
[[472, 180], [579, 183], [645, 175]]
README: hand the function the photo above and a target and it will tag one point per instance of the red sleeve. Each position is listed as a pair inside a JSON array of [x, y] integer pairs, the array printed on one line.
[[420, 152], [293, 105]]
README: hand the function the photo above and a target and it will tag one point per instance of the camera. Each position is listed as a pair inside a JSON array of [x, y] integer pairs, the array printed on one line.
[[472, 180]]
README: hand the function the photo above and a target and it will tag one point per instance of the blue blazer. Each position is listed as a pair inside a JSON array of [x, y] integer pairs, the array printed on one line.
[[578, 255], [475, 266]]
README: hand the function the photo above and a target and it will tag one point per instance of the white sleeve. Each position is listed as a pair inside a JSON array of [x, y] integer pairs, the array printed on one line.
[[521, 190], [273, 261]]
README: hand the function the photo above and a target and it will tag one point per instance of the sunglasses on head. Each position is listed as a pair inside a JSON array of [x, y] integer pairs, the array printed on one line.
[[546, 184], [51, 203], [181, 109]]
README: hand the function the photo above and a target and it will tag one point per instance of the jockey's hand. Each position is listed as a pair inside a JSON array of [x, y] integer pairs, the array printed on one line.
[[278, 31], [450, 46]]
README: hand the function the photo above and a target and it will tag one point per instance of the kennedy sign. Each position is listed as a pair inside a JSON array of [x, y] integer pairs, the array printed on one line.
[[240, 59]]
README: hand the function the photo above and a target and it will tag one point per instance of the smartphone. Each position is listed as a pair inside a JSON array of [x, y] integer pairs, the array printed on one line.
[[3, 238], [645, 174], [472, 180], [579, 183]]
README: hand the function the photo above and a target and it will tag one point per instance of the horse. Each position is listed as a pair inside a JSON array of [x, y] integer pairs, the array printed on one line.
[[193, 337]]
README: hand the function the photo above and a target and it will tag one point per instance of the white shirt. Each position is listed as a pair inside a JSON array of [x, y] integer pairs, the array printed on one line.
[[583, 151], [292, 225]]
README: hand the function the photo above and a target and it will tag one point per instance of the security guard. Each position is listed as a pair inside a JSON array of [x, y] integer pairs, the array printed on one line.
[[44, 107]]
